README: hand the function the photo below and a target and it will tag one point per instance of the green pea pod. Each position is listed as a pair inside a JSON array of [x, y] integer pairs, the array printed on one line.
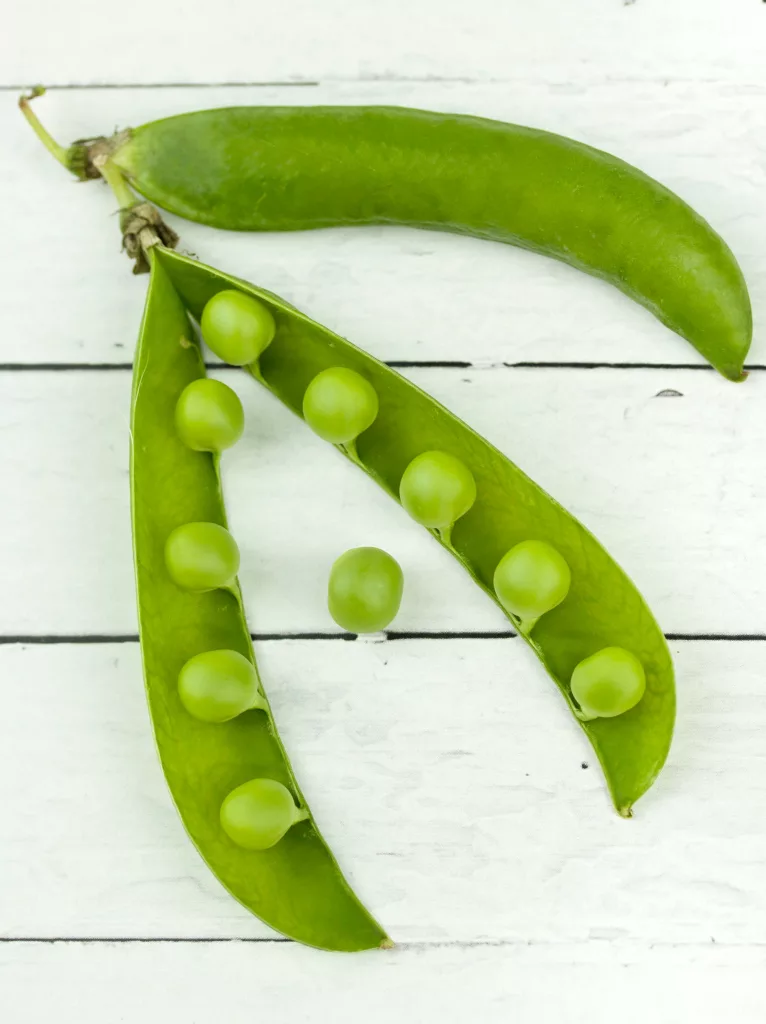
[[292, 168], [602, 609], [296, 886]]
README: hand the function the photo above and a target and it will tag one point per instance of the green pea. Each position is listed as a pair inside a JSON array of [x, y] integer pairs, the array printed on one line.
[[530, 579], [365, 590], [437, 489], [237, 327], [216, 686], [201, 556], [339, 404], [608, 683], [209, 416], [257, 814]]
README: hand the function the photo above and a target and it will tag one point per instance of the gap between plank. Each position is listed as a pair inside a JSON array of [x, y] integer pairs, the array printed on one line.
[[425, 944], [398, 364], [41, 639], [84, 86], [547, 80]]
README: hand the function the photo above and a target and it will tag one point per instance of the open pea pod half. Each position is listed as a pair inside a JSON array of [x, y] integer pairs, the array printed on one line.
[[295, 886], [602, 609]]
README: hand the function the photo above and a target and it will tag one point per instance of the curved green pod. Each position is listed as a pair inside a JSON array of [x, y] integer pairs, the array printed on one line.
[[293, 168], [296, 886], [602, 609]]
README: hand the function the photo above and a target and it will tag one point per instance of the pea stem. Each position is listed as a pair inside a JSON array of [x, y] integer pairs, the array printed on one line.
[[444, 533], [59, 152], [584, 716], [255, 369], [301, 814], [113, 176], [349, 448], [527, 625], [216, 457], [259, 704]]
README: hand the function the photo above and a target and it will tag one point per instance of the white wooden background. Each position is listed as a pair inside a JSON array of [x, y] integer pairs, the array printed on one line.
[[460, 797]]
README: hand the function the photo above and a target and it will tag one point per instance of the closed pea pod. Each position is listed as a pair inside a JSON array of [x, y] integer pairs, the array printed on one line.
[[294, 168], [601, 607]]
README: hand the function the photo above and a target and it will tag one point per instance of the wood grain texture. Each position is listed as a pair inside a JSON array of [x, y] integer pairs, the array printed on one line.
[[672, 484], [447, 777], [597, 984], [242, 41], [399, 293]]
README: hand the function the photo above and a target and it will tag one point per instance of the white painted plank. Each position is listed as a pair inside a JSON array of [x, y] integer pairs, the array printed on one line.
[[488, 39], [673, 486], [447, 776], [402, 294], [199, 983]]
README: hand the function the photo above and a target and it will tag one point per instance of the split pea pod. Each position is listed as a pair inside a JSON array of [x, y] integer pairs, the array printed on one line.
[[566, 596], [224, 762], [294, 168]]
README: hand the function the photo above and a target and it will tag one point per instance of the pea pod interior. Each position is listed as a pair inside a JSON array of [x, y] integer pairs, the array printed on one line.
[[603, 607], [296, 886], [290, 168]]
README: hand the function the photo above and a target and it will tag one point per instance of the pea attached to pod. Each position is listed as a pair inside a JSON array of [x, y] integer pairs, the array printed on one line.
[[365, 590], [339, 404], [608, 683], [257, 814], [530, 580], [237, 327], [436, 489], [216, 686], [209, 416], [201, 556]]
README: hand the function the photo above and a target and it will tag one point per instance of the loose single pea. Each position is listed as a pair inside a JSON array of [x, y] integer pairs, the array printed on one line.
[[216, 686], [201, 556], [257, 814], [531, 578], [436, 489], [339, 404], [209, 416], [237, 327], [365, 590], [608, 683]]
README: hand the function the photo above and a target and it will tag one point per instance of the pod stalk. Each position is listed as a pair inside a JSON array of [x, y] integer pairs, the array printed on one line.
[[57, 151], [77, 158], [142, 226]]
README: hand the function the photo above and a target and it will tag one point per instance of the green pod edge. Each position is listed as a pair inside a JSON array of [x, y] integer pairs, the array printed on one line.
[[295, 168], [296, 887], [603, 607]]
